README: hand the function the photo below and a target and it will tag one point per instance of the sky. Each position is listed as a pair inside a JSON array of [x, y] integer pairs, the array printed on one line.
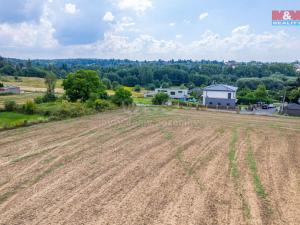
[[148, 30]]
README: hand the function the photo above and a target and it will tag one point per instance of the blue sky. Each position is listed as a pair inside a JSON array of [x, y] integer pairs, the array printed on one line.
[[147, 29]]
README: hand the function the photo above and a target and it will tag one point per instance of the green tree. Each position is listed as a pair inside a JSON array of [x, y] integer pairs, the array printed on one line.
[[50, 81], [107, 83], [115, 85], [8, 70], [137, 88], [261, 93], [146, 75], [182, 86], [294, 95], [165, 85], [199, 80], [150, 87], [81, 84], [122, 97], [298, 81], [160, 99], [130, 81], [28, 64]]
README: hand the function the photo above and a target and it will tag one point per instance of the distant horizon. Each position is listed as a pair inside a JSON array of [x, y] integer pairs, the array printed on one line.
[[154, 60]]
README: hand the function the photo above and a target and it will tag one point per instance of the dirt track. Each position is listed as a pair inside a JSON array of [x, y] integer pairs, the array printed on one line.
[[152, 166]]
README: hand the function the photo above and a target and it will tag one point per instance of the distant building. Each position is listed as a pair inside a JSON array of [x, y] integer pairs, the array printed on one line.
[[196, 91], [10, 90], [175, 93], [231, 64], [292, 109], [220, 95]]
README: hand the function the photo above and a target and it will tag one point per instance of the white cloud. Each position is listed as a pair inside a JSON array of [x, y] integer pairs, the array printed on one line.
[[70, 8], [126, 23], [202, 16], [172, 24], [108, 17], [137, 5], [29, 35], [241, 44], [241, 29]]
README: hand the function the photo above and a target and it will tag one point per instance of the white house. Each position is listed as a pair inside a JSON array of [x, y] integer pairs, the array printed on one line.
[[220, 95], [175, 93]]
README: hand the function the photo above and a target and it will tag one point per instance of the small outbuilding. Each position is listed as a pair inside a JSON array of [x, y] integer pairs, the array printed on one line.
[[220, 95], [175, 93], [10, 90], [292, 109]]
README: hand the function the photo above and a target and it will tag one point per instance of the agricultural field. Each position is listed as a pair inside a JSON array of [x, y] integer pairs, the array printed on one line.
[[152, 166], [30, 84]]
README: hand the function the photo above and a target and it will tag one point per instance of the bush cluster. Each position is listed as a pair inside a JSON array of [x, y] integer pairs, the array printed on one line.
[[160, 99], [10, 105]]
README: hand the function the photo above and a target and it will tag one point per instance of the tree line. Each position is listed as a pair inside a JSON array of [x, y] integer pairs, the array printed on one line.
[[276, 77]]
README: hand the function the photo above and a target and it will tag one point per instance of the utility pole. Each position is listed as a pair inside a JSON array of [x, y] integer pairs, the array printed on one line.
[[283, 101]]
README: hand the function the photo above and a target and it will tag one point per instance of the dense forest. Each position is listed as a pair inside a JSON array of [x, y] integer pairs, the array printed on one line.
[[277, 78]]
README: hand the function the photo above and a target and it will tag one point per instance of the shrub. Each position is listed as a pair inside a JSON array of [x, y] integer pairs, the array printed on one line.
[[38, 100], [122, 97], [150, 87], [137, 88], [90, 103], [1, 85], [160, 99], [29, 107], [101, 105], [115, 85], [10, 105], [49, 97]]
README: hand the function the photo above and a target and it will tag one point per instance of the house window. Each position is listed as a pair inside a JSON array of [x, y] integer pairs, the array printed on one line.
[[229, 95], [172, 93], [228, 104], [210, 103], [219, 103], [180, 92]]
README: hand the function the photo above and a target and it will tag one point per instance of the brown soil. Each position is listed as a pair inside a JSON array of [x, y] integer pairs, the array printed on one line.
[[152, 166]]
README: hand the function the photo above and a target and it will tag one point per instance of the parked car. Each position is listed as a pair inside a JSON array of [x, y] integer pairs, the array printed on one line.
[[271, 106]]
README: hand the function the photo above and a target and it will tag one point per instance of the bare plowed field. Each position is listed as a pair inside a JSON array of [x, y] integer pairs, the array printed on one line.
[[152, 166]]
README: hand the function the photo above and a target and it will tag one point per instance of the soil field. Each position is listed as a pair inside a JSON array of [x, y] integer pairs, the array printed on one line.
[[152, 166]]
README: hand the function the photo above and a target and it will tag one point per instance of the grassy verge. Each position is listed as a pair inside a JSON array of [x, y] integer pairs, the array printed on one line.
[[258, 186], [144, 101], [231, 155], [14, 119], [235, 173]]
